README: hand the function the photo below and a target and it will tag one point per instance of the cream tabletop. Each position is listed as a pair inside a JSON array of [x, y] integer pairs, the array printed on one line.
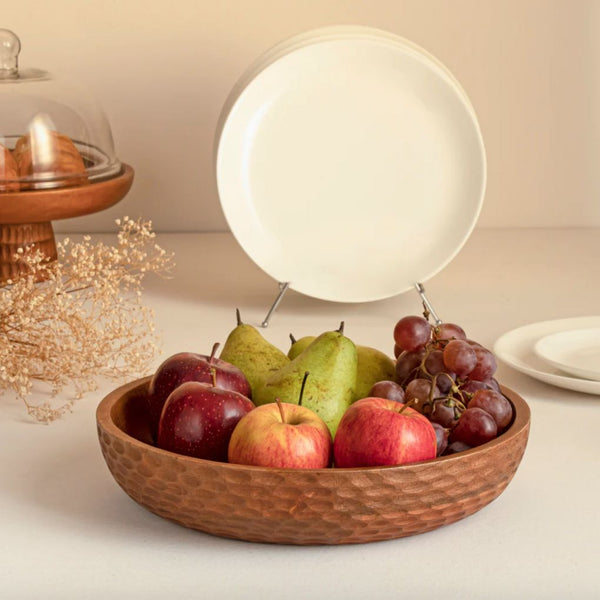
[[68, 530]]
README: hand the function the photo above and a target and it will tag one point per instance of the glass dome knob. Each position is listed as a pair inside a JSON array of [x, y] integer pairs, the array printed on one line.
[[10, 46]]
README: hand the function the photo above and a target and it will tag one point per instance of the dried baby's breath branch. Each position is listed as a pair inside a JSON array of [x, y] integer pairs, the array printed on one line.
[[65, 323]]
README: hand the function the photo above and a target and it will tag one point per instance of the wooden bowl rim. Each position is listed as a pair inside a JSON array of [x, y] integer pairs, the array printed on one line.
[[105, 422], [33, 206]]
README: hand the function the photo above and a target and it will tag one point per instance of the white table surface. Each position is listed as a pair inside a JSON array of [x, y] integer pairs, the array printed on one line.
[[68, 531]]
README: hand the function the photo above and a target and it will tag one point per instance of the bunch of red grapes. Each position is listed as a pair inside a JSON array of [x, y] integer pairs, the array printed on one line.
[[449, 379]]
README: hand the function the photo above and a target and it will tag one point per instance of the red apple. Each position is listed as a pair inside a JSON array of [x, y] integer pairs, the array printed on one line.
[[198, 420], [281, 435], [189, 366], [378, 432]]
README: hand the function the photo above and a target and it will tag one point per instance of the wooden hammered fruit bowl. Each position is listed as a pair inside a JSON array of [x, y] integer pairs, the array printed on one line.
[[291, 506]]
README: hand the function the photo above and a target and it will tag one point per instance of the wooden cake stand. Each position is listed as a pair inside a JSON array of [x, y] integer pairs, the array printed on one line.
[[26, 216]]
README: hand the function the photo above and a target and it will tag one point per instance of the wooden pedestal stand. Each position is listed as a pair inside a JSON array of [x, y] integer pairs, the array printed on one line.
[[26, 217]]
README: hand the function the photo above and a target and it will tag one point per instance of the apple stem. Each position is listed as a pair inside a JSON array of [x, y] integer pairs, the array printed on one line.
[[238, 317], [213, 352], [306, 374], [341, 328], [280, 406], [213, 373], [292, 338]]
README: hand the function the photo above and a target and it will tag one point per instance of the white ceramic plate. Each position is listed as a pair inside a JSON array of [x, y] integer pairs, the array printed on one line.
[[575, 351], [516, 349], [350, 164]]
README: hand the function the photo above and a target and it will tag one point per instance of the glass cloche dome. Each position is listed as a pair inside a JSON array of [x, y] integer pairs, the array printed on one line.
[[52, 134]]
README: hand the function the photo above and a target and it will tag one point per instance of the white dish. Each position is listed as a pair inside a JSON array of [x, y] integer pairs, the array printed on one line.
[[575, 351], [350, 164], [515, 348]]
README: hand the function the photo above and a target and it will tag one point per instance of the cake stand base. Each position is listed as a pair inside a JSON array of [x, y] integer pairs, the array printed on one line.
[[14, 237], [26, 216]]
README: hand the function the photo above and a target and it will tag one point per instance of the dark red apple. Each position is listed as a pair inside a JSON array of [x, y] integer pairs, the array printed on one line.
[[198, 420], [190, 366], [378, 432]]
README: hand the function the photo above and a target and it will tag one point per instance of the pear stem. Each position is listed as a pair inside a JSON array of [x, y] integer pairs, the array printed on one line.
[[238, 317], [292, 338], [213, 373], [280, 406], [306, 374], [213, 352], [341, 328]]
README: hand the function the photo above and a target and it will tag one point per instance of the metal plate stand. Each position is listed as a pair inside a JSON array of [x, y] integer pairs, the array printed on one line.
[[283, 286]]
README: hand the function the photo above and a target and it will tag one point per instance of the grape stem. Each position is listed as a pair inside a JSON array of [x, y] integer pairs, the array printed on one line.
[[406, 405], [456, 389]]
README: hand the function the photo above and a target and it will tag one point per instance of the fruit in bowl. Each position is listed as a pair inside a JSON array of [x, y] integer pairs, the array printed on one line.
[[302, 506], [248, 350], [379, 432], [199, 418], [450, 379], [189, 366], [300, 502], [443, 396], [372, 365], [283, 435], [332, 361]]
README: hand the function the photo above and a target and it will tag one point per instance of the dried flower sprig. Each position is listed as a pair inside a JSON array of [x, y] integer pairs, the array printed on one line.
[[65, 323]]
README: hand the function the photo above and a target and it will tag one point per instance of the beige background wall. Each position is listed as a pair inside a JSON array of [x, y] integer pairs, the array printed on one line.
[[162, 70]]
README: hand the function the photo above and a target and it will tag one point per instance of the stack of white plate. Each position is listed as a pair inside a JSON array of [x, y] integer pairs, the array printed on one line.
[[349, 164], [563, 352]]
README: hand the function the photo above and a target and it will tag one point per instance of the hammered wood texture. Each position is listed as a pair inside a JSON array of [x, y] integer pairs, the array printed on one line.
[[326, 506]]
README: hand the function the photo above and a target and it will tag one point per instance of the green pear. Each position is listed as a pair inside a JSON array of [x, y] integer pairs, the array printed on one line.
[[299, 346], [249, 351], [373, 366], [331, 361]]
